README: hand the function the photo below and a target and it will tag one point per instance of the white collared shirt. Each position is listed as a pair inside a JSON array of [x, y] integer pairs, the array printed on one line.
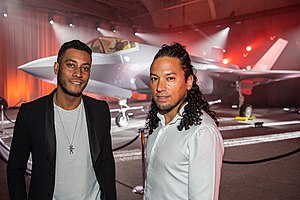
[[184, 165]]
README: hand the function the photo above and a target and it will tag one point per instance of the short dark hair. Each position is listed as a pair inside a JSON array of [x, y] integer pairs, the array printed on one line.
[[74, 44]]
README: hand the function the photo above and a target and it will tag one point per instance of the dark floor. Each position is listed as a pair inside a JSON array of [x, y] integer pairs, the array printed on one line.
[[273, 180]]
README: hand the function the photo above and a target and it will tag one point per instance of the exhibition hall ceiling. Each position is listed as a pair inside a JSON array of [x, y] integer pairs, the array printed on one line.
[[161, 14]]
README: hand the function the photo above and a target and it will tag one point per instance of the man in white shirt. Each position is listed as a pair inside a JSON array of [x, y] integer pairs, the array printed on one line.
[[185, 148]]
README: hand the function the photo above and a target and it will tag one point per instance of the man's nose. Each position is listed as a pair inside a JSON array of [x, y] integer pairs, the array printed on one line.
[[77, 72], [161, 85]]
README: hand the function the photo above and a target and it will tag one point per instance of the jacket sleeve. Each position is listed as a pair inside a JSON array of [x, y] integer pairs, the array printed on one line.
[[107, 160], [109, 163], [109, 171], [18, 157]]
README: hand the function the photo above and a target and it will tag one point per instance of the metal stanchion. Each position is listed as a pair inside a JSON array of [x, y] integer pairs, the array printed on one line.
[[142, 131], [2, 119], [140, 188]]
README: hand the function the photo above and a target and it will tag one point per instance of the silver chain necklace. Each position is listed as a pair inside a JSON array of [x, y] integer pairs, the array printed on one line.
[[71, 144]]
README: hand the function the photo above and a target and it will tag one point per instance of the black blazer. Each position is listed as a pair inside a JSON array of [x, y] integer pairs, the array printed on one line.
[[34, 133]]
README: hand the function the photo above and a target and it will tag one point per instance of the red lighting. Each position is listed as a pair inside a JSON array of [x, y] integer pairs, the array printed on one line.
[[225, 61], [248, 67], [272, 37], [248, 48]]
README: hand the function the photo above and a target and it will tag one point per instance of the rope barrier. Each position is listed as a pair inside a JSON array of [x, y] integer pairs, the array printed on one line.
[[125, 145], [121, 183], [262, 160], [7, 117]]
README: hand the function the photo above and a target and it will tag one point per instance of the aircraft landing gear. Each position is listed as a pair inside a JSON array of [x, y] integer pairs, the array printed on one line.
[[122, 120], [246, 111]]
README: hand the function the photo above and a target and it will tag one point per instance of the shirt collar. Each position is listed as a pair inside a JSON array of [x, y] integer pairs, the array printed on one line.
[[176, 118]]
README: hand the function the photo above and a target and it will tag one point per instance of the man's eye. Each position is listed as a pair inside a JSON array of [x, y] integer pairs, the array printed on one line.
[[171, 78], [153, 79], [86, 69], [70, 65]]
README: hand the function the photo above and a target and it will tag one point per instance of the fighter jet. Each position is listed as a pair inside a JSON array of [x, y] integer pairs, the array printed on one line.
[[120, 67]]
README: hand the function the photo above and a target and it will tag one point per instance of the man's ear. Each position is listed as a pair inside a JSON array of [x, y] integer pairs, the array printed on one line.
[[56, 68], [189, 82]]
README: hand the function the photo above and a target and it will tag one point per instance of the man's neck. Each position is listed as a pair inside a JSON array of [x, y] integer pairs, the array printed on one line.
[[66, 101], [169, 116]]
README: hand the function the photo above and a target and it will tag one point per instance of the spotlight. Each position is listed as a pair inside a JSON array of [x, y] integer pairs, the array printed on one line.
[[70, 22], [112, 27], [98, 28], [5, 13], [248, 48], [225, 61], [134, 30], [50, 18]]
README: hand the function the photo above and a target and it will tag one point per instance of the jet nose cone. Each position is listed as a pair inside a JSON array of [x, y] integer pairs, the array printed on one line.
[[41, 68]]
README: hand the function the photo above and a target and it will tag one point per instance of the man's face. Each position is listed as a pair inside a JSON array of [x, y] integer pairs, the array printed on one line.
[[73, 72], [167, 83]]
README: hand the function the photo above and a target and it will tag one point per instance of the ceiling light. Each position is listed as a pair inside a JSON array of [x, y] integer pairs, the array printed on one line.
[[5, 13], [134, 30], [50, 18], [98, 28], [70, 22], [113, 29]]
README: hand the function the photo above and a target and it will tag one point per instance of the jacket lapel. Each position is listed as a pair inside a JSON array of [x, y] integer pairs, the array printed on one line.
[[93, 136], [50, 140]]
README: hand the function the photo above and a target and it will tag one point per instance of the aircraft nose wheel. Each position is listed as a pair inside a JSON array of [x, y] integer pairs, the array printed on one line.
[[3, 103], [246, 110], [121, 120]]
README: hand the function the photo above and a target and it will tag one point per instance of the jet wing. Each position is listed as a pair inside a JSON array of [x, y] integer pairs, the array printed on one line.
[[258, 77]]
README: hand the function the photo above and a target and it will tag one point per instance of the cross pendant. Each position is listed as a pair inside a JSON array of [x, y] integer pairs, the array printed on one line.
[[71, 148]]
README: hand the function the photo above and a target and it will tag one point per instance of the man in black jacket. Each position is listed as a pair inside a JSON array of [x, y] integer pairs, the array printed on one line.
[[68, 136]]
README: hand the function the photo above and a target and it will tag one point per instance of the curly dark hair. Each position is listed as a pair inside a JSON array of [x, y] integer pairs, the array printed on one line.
[[196, 102]]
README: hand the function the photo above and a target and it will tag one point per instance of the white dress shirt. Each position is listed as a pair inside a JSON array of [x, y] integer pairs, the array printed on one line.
[[184, 165]]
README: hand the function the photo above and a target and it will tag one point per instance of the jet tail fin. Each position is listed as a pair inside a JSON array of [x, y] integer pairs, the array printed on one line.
[[269, 58]]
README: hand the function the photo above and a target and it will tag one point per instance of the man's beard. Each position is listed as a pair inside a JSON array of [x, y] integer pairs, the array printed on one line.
[[167, 108], [64, 89]]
